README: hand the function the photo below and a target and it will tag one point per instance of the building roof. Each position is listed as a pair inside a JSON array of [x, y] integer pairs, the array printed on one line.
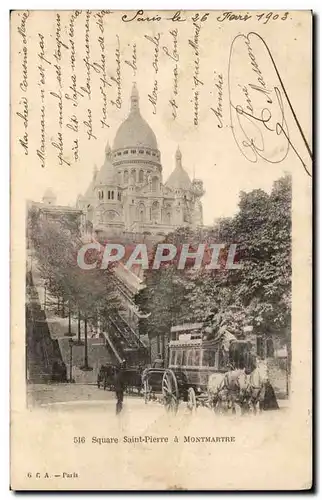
[[56, 208], [135, 131]]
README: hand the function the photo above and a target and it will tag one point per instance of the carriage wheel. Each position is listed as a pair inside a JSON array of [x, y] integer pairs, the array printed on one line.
[[170, 391], [192, 400]]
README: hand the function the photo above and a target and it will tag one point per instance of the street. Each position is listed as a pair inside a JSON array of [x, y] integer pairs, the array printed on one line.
[[88, 397]]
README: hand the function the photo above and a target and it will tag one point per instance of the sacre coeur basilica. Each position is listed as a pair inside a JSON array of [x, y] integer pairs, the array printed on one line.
[[128, 194]]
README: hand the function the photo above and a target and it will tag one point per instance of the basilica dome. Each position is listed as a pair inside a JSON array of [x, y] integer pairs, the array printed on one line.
[[135, 131]]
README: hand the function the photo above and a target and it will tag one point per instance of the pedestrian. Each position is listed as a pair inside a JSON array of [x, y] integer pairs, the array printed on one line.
[[119, 386]]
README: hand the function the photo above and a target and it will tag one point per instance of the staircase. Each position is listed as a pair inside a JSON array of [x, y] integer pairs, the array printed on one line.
[[98, 355], [122, 341], [125, 340], [42, 352]]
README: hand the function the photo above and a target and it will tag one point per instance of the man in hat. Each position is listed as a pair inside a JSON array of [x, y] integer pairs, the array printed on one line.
[[227, 337], [119, 386]]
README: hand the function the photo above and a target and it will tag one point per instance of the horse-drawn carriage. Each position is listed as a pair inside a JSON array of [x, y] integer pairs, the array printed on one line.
[[219, 373]]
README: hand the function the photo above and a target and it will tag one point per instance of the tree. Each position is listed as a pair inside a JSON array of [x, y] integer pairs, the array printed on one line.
[[258, 294], [89, 293]]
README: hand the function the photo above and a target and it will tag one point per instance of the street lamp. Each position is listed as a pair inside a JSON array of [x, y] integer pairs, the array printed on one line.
[[71, 345], [45, 295], [79, 342], [86, 367]]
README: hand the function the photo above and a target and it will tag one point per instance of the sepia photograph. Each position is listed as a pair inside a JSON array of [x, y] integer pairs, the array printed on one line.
[[161, 250]]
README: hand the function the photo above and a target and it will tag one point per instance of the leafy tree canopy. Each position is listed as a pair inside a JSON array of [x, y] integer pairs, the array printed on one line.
[[258, 294]]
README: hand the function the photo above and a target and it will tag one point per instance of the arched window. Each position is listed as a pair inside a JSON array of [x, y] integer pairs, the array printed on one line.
[[119, 195], [108, 195], [141, 209], [155, 211], [100, 194], [141, 176], [155, 183], [168, 218], [133, 175], [126, 176], [112, 195], [110, 215], [133, 151], [126, 152]]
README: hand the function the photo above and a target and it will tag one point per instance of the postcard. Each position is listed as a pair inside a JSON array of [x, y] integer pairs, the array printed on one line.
[[161, 250]]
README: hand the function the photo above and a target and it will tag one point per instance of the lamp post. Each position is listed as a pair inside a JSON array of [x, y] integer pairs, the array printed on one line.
[[86, 367], [45, 293], [69, 320], [71, 345], [79, 341]]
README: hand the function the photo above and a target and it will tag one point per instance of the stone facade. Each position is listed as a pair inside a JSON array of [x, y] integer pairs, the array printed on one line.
[[128, 194]]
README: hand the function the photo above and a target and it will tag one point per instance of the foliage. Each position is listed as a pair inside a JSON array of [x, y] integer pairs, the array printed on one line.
[[258, 294], [56, 245]]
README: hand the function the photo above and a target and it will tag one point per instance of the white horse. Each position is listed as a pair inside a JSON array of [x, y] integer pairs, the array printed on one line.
[[256, 384], [226, 390]]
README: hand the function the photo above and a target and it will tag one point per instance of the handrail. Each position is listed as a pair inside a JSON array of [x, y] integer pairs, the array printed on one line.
[[121, 332], [110, 343], [114, 320]]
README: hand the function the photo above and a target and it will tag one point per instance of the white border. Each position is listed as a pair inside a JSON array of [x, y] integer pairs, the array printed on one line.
[[5, 161]]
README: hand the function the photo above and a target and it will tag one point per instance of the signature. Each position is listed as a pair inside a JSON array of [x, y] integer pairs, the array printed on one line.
[[257, 110]]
